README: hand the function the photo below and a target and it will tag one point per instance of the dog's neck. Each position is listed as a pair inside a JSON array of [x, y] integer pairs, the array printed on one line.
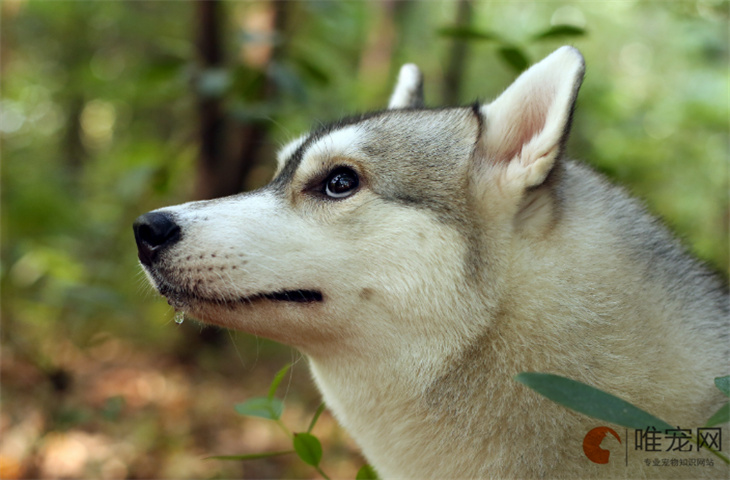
[[429, 400]]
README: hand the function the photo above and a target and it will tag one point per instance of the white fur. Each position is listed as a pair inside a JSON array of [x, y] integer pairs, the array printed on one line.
[[287, 151], [407, 88]]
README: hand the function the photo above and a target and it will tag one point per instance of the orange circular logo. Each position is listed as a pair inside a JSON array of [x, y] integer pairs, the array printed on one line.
[[592, 444]]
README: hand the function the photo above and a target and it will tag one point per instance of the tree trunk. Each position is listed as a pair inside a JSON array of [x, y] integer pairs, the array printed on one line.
[[212, 155], [457, 59]]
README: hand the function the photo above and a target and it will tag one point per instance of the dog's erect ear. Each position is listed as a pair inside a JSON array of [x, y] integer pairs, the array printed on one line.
[[408, 92], [527, 126]]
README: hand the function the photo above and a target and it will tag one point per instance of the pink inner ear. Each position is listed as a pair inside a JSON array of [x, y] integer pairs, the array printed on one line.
[[522, 125]]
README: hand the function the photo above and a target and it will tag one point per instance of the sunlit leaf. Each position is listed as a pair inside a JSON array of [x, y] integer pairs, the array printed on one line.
[[308, 448], [514, 57], [269, 408], [723, 383], [467, 33], [591, 401], [252, 456], [721, 416], [560, 31]]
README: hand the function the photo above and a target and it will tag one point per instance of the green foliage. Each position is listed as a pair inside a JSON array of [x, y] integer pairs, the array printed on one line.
[[604, 406], [512, 55], [723, 413], [251, 456], [306, 446], [590, 401], [721, 416], [366, 473], [560, 31], [319, 411], [263, 407], [277, 380], [723, 384]]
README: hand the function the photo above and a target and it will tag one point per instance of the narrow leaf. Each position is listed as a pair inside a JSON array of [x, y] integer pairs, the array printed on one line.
[[269, 408], [560, 31], [723, 383], [591, 401], [308, 448], [251, 456], [277, 380], [720, 416], [514, 57], [366, 473], [319, 411], [466, 33], [312, 70]]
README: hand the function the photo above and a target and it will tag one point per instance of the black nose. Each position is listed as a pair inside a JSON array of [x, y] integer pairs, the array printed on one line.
[[154, 232]]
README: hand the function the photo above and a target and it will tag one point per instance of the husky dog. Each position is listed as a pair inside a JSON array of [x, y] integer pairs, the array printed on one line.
[[421, 258]]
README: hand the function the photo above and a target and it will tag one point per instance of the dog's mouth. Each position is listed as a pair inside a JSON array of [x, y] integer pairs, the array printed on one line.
[[298, 296], [180, 299]]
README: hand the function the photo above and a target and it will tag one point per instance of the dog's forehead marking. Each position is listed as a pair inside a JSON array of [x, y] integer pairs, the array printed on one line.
[[287, 151], [394, 142], [344, 142], [291, 156]]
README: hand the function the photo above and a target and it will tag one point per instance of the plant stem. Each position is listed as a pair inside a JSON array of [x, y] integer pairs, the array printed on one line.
[[319, 470], [319, 411], [284, 429]]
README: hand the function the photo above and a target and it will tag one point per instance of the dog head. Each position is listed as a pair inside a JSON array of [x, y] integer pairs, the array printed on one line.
[[390, 224]]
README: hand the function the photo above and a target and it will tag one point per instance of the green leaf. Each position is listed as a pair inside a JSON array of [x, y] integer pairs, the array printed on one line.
[[252, 456], [514, 57], [723, 383], [466, 33], [277, 380], [720, 416], [366, 473], [312, 70], [560, 31], [591, 401], [308, 448], [269, 408]]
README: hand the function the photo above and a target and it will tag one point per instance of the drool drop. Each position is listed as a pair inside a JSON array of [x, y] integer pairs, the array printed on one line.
[[179, 317]]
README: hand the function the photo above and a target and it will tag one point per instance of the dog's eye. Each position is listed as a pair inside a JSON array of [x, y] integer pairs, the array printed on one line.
[[341, 182]]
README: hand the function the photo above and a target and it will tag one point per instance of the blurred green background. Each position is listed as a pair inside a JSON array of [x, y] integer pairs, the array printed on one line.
[[110, 109]]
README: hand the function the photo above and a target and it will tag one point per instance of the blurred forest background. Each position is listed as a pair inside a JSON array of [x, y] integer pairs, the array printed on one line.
[[111, 109]]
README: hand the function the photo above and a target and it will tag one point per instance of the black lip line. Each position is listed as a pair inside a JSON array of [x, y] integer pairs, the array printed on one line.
[[296, 296]]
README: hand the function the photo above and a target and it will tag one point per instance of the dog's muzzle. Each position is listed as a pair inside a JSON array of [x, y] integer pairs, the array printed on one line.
[[154, 232]]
